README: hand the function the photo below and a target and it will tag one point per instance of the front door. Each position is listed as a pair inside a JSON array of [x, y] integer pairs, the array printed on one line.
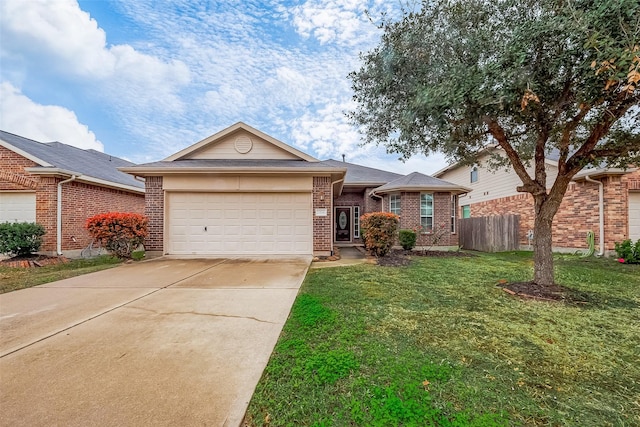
[[343, 224]]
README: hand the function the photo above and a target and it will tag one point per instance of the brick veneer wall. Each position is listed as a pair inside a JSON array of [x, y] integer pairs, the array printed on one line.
[[410, 217], [80, 201], [154, 209], [578, 212], [12, 174], [322, 231]]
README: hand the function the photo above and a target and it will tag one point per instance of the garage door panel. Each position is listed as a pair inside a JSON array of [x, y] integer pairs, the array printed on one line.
[[17, 207], [239, 223]]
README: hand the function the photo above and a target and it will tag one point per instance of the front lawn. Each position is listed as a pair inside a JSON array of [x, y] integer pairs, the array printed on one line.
[[13, 278], [437, 343]]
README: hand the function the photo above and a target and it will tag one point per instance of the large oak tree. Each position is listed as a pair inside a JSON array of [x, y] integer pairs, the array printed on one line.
[[526, 75]]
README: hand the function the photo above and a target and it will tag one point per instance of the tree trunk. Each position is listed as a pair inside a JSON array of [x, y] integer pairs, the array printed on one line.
[[542, 250]]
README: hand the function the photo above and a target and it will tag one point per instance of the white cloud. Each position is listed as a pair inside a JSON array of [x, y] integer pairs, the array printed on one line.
[[344, 22], [65, 38], [44, 123]]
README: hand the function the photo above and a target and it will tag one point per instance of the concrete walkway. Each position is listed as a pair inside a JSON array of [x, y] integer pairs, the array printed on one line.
[[162, 342]]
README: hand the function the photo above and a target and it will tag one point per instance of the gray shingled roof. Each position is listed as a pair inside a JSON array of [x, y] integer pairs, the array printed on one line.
[[357, 174], [418, 181], [82, 162], [232, 163]]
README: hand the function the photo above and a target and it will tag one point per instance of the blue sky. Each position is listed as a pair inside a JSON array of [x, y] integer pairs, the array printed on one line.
[[144, 79]]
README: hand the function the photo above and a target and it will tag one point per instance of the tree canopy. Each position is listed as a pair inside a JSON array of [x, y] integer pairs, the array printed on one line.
[[528, 75]]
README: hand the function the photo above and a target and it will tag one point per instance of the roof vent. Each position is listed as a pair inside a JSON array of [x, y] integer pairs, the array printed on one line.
[[243, 144]]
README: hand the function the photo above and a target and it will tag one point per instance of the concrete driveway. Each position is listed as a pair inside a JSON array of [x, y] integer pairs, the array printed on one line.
[[162, 342]]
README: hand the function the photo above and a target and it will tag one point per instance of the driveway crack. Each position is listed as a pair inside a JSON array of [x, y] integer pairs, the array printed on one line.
[[196, 313]]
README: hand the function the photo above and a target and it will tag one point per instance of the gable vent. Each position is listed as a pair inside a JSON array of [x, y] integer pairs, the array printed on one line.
[[243, 144]]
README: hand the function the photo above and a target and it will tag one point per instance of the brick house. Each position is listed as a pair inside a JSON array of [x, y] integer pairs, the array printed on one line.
[[615, 191], [33, 174], [242, 192]]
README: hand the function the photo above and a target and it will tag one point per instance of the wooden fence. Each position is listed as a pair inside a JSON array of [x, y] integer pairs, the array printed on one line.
[[489, 233]]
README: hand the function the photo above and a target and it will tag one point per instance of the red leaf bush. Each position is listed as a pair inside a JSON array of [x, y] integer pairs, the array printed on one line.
[[379, 231], [120, 232]]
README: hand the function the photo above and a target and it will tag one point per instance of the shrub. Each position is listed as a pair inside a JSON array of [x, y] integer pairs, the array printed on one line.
[[121, 233], [628, 252], [20, 238], [407, 239], [379, 231]]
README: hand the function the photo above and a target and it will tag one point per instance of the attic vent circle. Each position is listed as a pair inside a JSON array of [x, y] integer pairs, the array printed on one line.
[[243, 144]]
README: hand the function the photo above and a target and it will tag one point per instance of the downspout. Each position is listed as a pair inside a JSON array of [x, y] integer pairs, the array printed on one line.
[[59, 215], [600, 210]]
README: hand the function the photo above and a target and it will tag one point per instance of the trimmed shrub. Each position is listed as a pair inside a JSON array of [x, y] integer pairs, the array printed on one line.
[[121, 233], [407, 239], [628, 252], [20, 238], [379, 231]]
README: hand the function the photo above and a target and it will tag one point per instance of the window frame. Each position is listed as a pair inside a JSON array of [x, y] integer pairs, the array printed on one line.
[[473, 177], [466, 208], [454, 212], [356, 222], [424, 214], [395, 199]]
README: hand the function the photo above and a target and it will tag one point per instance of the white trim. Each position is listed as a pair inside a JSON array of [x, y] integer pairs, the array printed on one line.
[[84, 178], [356, 218], [24, 154], [392, 197], [238, 126], [433, 212]]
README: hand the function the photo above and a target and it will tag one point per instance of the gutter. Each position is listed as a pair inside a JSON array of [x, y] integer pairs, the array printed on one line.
[[600, 210], [59, 215]]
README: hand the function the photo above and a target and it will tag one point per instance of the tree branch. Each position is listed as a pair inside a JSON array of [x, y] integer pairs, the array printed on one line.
[[529, 185]]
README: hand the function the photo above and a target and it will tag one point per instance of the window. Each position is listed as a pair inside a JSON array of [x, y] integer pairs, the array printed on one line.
[[394, 204], [474, 173], [356, 221], [426, 212], [466, 211], [454, 206]]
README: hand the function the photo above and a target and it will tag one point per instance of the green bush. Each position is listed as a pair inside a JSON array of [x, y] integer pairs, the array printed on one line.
[[407, 239], [379, 231], [20, 238], [628, 252]]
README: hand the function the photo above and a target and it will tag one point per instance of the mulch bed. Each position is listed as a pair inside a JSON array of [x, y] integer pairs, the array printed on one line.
[[32, 261], [399, 258], [539, 292]]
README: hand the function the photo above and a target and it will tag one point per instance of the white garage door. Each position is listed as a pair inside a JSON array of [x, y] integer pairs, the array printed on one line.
[[634, 216], [17, 207], [239, 223]]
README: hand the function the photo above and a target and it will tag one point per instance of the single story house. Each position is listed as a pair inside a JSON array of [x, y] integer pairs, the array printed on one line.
[[60, 186], [603, 200], [243, 192]]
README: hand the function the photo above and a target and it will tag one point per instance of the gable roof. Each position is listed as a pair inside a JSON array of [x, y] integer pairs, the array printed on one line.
[[62, 159], [240, 126], [417, 181], [362, 175]]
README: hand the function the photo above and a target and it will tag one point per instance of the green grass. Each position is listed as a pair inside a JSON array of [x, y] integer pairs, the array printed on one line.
[[12, 279], [437, 343]]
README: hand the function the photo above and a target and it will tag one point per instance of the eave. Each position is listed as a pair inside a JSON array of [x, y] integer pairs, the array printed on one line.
[[63, 173]]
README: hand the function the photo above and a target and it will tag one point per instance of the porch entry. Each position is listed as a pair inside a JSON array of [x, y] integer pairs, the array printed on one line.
[[343, 224]]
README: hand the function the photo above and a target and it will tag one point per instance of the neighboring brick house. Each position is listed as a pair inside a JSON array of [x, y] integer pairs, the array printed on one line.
[[33, 173], [242, 192], [494, 193]]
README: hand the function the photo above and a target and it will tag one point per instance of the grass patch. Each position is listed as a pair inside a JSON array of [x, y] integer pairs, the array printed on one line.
[[437, 343], [12, 279]]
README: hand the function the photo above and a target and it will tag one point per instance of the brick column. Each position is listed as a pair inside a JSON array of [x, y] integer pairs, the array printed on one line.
[[322, 230], [154, 210]]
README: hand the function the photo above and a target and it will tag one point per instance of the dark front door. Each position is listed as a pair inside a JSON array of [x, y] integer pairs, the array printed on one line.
[[343, 224]]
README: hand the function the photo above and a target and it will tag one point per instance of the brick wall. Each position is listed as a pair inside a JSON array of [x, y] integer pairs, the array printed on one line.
[[410, 217], [578, 212], [322, 230], [80, 201], [12, 174], [154, 209]]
